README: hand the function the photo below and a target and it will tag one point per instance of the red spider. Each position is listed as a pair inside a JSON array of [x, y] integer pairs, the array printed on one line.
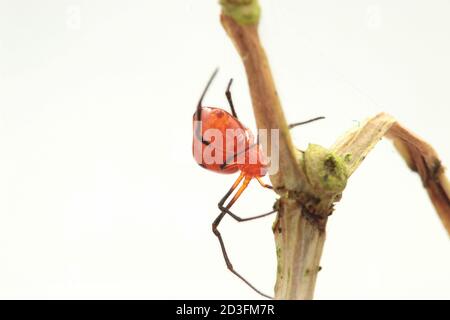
[[253, 163]]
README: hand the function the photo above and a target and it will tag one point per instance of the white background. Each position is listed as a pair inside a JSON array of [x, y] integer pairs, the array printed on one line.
[[100, 196]]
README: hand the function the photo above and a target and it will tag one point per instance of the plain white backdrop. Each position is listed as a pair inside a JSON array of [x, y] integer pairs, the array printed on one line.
[[100, 196]]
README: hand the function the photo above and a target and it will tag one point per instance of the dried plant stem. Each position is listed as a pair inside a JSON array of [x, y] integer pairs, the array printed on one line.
[[309, 183], [418, 154], [422, 158], [265, 101], [299, 243], [307, 235]]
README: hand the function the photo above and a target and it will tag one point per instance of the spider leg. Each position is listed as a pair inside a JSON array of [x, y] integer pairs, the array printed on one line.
[[216, 232], [235, 216], [231, 158], [198, 111], [293, 125], [230, 100], [264, 185]]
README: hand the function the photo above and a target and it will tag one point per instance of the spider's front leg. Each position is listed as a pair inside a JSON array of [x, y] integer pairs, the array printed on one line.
[[236, 217]]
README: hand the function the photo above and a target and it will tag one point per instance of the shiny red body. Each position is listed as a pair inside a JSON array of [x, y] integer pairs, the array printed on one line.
[[245, 155], [221, 143]]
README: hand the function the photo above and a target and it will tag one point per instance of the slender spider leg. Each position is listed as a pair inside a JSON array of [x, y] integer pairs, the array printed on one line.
[[230, 100], [239, 219], [239, 192], [216, 232], [233, 156], [198, 112], [264, 185], [233, 187], [293, 125]]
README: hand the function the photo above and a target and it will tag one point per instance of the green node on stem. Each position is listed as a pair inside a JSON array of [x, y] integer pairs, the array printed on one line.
[[242, 11], [326, 171]]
